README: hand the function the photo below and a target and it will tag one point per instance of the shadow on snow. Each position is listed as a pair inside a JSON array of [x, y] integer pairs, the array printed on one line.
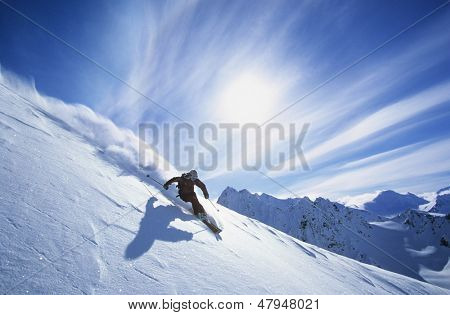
[[155, 226]]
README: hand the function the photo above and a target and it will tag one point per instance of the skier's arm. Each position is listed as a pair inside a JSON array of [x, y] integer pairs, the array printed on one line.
[[202, 186], [171, 181]]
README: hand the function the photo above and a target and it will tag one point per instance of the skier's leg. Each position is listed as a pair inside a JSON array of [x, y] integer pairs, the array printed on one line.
[[197, 206]]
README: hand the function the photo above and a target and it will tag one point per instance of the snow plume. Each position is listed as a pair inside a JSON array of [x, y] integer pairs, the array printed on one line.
[[118, 145]]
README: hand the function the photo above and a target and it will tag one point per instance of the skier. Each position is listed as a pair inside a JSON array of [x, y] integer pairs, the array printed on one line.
[[186, 184]]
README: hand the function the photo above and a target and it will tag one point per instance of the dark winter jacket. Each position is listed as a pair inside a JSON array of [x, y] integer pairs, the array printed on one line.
[[186, 186]]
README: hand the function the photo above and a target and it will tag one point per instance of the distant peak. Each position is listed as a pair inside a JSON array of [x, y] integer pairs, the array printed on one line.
[[388, 192], [232, 191], [244, 191], [446, 190], [229, 188]]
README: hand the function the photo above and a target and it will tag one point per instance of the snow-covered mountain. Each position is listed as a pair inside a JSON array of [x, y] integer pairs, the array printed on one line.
[[439, 202], [388, 203], [442, 204], [77, 218], [412, 243]]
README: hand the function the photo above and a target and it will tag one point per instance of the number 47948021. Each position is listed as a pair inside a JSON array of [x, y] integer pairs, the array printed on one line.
[[300, 304]]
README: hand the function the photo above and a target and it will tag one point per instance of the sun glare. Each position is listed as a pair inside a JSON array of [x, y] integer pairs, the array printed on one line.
[[248, 98]]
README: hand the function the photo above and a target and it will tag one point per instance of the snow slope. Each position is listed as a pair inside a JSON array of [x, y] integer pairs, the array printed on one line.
[[409, 244], [75, 218]]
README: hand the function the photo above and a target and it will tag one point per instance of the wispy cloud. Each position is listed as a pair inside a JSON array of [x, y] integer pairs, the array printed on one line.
[[385, 117], [431, 159], [190, 50]]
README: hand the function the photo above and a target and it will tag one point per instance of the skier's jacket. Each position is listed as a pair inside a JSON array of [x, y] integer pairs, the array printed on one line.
[[186, 186]]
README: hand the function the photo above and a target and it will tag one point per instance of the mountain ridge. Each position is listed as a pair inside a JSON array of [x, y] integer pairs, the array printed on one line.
[[356, 233]]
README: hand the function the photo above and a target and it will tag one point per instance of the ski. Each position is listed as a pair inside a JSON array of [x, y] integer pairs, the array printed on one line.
[[211, 226]]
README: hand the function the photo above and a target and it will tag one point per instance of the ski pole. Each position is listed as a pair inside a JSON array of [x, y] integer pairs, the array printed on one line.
[[213, 205], [154, 180]]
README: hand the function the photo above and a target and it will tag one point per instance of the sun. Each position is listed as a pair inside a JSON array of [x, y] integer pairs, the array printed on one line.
[[249, 97]]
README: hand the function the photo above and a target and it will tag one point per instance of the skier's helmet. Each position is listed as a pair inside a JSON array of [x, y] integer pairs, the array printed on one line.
[[193, 174]]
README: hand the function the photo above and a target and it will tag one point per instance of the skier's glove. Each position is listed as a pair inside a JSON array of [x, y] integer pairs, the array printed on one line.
[[166, 186], [206, 196]]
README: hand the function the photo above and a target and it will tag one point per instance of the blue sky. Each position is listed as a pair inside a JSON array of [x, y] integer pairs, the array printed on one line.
[[384, 124]]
